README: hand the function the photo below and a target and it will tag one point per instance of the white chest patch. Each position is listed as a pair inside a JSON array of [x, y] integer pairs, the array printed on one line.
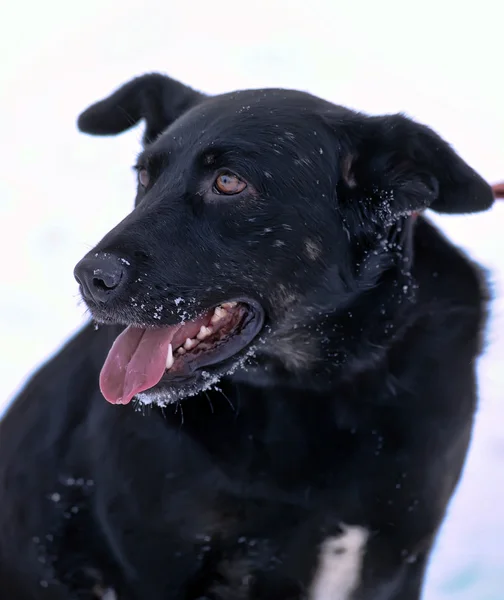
[[339, 565]]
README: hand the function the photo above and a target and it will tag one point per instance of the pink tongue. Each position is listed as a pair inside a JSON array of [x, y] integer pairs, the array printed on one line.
[[136, 362]]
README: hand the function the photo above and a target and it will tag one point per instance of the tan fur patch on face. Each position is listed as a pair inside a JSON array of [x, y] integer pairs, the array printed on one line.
[[339, 565], [295, 346], [346, 172], [284, 297], [313, 249], [296, 352]]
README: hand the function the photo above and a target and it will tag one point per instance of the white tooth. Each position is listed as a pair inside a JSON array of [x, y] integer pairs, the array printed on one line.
[[189, 344], [204, 332], [181, 350], [170, 360], [219, 313], [228, 305]]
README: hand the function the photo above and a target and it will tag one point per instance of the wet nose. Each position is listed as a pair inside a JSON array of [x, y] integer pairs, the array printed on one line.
[[101, 276]]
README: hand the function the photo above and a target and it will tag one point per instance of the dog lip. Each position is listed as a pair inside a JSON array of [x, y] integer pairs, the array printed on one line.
[[254, 322], [252, 325], [238, 341]]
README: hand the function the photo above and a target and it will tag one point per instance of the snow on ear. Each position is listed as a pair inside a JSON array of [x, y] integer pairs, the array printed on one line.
[[156, 98]]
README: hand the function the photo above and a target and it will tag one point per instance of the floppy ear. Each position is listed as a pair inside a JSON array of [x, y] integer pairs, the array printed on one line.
[[407, 167], [154, 97]]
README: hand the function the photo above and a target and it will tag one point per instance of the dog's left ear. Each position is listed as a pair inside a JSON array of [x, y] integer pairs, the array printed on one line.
[[407, 165], [155, 98]]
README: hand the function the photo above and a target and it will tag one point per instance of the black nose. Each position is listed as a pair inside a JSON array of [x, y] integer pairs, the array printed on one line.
[[101, 276]]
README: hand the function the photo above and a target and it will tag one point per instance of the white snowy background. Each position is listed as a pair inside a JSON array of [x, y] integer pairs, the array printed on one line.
[[441, 62]]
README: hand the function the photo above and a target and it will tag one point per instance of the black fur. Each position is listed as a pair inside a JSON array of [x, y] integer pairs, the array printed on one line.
[[356, 407]]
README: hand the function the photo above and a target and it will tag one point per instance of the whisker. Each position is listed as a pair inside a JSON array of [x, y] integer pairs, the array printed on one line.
[[233, 408], [209, 402]]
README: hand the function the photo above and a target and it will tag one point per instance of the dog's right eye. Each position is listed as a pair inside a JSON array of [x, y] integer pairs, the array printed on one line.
[[229, 184], [143, 177]]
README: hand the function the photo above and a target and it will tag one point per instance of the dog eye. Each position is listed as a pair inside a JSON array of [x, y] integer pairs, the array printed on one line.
[[143, 177], [229, 184]]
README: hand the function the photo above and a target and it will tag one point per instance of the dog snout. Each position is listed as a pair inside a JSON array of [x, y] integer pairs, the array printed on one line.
[[101, 277]]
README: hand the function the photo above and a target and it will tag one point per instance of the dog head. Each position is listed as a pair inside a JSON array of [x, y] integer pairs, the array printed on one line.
[[257, 213]]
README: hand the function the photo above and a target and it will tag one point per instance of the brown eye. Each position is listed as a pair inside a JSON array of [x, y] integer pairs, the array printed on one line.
[[143, 177], [229, 184]]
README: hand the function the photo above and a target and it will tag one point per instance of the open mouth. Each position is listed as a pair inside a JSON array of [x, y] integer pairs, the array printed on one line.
[[140, 358]]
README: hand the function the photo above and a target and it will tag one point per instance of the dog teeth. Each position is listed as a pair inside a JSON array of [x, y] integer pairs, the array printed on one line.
[[219, 313], [170, 360], [204, 332], [228, 305], [189, 344]]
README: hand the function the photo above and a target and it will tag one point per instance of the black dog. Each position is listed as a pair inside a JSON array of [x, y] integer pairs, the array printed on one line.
[[321, 341]]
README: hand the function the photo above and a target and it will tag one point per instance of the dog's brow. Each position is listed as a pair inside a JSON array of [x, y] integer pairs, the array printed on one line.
[[148, 157], [232, 148]]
